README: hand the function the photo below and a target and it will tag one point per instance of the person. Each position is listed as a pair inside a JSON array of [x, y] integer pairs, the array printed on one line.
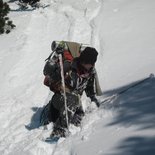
[[79, 76]]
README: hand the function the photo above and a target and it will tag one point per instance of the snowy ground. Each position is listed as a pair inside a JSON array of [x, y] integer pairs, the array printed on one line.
[[123, 33]]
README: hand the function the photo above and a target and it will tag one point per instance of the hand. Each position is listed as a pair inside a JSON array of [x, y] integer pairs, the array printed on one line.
[[94, 99], [58, 47], [59, 50]]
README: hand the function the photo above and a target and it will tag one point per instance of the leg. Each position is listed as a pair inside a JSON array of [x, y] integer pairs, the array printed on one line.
[[60, 125], [53, 114], [49, 113]]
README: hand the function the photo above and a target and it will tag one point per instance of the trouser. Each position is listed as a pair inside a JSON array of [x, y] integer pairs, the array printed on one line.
[[57, 112]]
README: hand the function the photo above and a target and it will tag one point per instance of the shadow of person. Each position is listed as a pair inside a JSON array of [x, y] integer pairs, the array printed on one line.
[[35, 120]]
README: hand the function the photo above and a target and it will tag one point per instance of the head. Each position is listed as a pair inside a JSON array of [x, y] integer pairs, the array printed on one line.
[[88, 56], [87, 59]]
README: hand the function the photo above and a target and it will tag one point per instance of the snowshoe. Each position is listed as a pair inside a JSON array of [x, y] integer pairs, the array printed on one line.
[[52, 139]]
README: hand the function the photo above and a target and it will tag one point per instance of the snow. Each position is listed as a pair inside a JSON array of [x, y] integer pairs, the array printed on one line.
[[123, 33]]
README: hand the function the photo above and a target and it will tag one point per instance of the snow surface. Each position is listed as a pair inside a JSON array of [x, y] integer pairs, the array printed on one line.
[[123, 32]]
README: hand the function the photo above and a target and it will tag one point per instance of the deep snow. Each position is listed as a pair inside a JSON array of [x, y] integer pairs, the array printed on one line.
[[123, 33]]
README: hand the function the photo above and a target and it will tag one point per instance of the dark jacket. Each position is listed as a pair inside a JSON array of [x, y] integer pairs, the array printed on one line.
[[75, 80]]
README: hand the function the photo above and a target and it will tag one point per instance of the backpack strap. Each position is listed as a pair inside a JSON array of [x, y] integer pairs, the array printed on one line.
[[49, 56]]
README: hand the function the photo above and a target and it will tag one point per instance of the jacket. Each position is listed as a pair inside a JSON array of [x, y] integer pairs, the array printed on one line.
[[75, 80]]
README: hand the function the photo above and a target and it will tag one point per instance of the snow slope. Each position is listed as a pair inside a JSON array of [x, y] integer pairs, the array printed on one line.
[[123, 33]]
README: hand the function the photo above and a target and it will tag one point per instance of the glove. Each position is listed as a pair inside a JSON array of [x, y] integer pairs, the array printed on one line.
[[59, 50], [58, 47], [94, 99]]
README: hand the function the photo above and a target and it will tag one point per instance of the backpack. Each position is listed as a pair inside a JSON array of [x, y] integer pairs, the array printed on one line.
[[71, 50]]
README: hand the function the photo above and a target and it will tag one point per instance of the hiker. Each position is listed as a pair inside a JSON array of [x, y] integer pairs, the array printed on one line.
[[79, 74]]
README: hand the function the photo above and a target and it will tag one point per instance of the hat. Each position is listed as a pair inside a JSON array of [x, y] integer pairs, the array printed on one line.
[[88, 56]]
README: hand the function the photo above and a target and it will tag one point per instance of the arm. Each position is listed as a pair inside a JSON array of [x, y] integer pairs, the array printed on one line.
[[52, 76], [90, 87], [90, 90]]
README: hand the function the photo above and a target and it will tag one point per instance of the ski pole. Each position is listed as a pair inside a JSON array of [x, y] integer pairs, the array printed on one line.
[[64, 90]]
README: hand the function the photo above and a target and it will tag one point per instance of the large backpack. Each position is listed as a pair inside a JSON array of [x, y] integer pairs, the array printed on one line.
[[71, 50]]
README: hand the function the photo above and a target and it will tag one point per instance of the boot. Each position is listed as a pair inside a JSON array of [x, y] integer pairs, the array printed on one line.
[[59, 132], [77, 118]]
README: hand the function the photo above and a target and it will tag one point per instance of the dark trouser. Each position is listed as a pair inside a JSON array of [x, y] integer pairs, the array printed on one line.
[[57, 109]]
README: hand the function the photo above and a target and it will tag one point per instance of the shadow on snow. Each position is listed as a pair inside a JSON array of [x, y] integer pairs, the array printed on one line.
[[136, 146], [136, 106], [35, 119]]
